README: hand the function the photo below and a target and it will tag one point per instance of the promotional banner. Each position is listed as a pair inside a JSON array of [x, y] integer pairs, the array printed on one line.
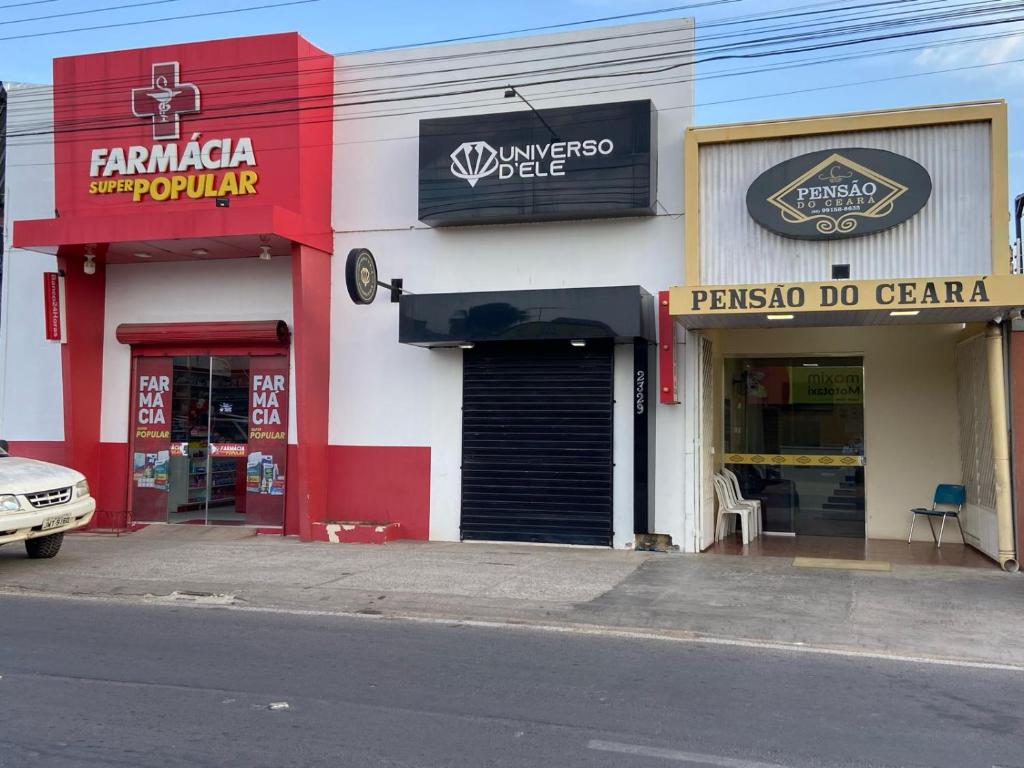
[[151, 438], [572, 162], [268, 440]]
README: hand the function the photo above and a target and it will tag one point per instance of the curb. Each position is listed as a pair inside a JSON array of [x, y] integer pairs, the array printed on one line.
[[235, 603]]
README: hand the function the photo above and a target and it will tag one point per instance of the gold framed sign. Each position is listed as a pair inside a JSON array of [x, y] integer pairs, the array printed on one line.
[[838, 193]]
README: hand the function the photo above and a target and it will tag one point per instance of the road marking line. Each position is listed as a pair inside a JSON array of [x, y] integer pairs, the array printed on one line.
[[677, 755], [667, 636]]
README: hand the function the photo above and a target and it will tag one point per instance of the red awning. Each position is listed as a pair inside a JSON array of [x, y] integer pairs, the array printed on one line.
[[259, 332]]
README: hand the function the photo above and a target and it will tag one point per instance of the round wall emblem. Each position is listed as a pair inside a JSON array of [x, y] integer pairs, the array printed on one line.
[[361, 276], [838, 193]]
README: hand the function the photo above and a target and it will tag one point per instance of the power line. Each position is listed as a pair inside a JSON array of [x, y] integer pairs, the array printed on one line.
[[107, 83], [776, 94], [323, 106], [28, 2], [524, 30], [94, 10], [589, 77], [613, 63], [156, 21], [561, 94]]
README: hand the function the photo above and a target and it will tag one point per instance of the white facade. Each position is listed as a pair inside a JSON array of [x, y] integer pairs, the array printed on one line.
[[384, 393], [31, 391]]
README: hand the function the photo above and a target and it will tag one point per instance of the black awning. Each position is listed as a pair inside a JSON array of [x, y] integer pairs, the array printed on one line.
[[622, 313]]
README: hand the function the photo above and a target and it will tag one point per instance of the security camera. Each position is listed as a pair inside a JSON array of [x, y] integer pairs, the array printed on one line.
[[89, 267]]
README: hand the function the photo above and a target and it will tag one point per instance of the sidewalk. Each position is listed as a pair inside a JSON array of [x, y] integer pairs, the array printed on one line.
[[953, 613]]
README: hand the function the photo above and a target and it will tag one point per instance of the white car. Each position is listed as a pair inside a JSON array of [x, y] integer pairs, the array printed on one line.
[[40, 502]]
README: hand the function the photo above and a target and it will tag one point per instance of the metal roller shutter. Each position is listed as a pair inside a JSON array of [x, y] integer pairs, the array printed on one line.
[[537, 443]]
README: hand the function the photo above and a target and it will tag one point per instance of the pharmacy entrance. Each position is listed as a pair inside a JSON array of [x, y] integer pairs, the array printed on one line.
[[794, 436], [209, 437]]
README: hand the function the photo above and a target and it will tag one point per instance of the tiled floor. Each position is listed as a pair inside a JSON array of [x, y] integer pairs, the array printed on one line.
[[896, 552]]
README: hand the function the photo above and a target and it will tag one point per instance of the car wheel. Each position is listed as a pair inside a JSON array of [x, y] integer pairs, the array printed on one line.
[[44, 546]]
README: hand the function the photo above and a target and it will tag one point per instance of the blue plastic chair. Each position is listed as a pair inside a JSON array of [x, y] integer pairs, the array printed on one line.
[[951, 498]]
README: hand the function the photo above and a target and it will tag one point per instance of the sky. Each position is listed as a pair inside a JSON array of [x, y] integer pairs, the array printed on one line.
[[936, 71]]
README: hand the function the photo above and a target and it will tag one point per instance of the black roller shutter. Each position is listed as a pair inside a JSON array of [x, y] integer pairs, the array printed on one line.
[[537, 443]]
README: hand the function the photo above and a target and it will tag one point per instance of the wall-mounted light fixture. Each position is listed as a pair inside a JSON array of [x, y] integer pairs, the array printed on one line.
[[511, 93], [578, 342], [89, 267]]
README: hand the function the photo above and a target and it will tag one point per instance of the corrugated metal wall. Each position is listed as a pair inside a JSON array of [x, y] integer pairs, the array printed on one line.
[[950, 236], [979, 518]]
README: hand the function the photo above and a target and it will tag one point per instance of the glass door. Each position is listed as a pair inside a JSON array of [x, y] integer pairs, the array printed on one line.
[[187, 494], [229, 437], [210, 439], [794, 435]]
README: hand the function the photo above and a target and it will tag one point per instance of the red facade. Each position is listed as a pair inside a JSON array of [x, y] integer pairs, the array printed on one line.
[[206, 150]]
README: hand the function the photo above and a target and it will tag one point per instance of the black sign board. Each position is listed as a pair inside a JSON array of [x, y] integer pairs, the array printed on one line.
[[838, 193], [597, 160], [643, 437]]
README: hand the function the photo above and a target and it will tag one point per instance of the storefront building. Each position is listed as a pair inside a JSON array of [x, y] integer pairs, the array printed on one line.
[[846, 313], [209, 346], [189, 211]]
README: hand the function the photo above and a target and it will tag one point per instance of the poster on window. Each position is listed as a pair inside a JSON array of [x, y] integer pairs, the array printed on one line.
[[265, 475], [151, 437]]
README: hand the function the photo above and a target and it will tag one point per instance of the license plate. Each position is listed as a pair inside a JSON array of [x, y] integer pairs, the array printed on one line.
[[56, 522]]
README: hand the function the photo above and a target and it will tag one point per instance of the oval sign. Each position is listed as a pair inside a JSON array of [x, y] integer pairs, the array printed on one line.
[[361, 276], [838, 193]]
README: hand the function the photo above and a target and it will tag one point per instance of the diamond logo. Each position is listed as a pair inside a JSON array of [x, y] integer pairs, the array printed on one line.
[[473, 160], [834, 193]]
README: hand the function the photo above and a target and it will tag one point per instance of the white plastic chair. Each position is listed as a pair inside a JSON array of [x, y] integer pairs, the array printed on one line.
[[754, 504], [728, 506]]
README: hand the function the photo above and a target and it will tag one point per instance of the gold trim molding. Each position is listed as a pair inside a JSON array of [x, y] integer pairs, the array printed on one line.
[[795, 460]]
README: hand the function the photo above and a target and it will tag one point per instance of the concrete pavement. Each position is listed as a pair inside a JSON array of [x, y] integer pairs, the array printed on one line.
[[937, 612]]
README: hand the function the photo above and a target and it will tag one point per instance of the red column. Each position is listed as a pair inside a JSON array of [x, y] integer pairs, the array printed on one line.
[[311, 345], [82, 362]]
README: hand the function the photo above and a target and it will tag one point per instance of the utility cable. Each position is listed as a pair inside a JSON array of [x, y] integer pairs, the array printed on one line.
[[94, 10], [106, 83], [157, 21], [280, 102]]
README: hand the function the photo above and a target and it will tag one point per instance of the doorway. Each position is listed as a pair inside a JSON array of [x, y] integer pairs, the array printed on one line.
[[794, 435], [210, 439]]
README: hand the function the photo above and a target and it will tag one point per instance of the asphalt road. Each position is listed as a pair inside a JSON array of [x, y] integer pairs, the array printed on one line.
[[102, 684]]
